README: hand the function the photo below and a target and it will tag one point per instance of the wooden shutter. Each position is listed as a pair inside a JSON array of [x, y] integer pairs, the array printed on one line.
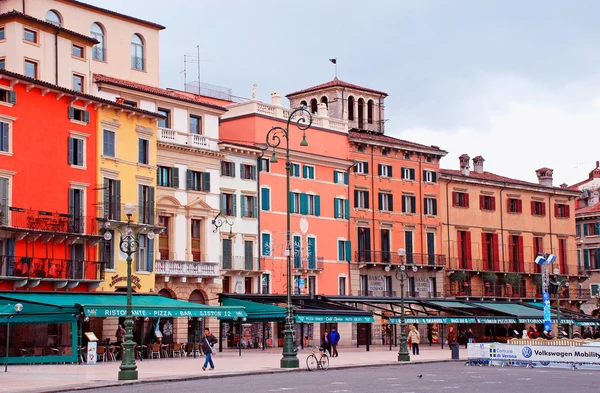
[[4, 200], [585, 230], [317, 207], [12, 97], [4, 130], [175, 172], [424, 175], [117, 200], [346, 178], [223, 201], [543, 208], [242, 206], [511, 254], [304, 172], [341, 250], [190, 179], [260, 164], [72, 205], [142, 202], [366, 199], [412, 174], [206, 181], [10, 251], [253, 171], [578, 230], [468, 249], [242, 174], [347, 209], [80, 152], [380, 201], [493, 203], [150, 253], [434, 177], [336, 212], [414, 204], [481, 202], [71, 151], [379, 169], [555, 210], [496, 252], [520, 253], [265, 194], [232, 169], [597, 228], [254, 207], [533, 207], [291, 202], [335, 177], [233, 206], [466, 199], [434, 206], [71, 112], [151, 205], [404, 203], [141, 151], [484, 254], [356, 199], [519, 206], [348, 250], [391, 202], [586, 258], [454, 198], [567, 211], [303, 203], [106, 198]]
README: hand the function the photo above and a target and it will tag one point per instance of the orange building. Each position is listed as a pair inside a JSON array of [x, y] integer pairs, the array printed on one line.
[[319, 193]]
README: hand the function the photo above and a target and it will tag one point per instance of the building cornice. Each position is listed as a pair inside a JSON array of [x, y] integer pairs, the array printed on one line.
[[310, 158], [183, 148]]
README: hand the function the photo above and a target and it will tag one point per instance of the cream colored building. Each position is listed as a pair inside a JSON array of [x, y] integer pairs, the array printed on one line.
[[64, 42]]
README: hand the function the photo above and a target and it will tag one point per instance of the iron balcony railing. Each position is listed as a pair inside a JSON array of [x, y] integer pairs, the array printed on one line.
[[505, 291], [247, 263], [186, 268], [55, 268], [40, 220], [389, 257], [528, 267], [99, 53], [407, 293], [317, 264]]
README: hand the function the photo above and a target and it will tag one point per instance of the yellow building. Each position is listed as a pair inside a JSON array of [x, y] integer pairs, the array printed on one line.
[[127, 174], [494, 227]]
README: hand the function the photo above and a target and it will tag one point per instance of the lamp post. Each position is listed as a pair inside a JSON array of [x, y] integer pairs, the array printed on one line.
[[402, 275], [18, 309], [129, 244], [273, 139], [560, 283], [219, 221]]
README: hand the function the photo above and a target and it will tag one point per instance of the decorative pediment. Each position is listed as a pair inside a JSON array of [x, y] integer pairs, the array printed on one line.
[[168, 201]]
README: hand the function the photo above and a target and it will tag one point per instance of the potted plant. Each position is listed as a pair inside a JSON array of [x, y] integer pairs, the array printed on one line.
[[459, 277], [512, 280], [489, 279]]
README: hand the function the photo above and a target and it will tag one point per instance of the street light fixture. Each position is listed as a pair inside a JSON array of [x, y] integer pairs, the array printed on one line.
[[303, 120], [219, 221], [560, 282], [18, 308], [402, 275]]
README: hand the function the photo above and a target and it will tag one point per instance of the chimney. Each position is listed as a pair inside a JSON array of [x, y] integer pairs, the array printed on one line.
[[322, 109], [276, 98], [478, 164], [464, 164], [544, 176]]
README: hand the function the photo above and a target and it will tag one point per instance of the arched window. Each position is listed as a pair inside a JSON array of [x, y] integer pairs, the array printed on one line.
[[350, 108], [361, 113], [53, 17], [325, 101], [137, 52], [370, 112], [313, 106], [303, 103], [165, 293], [98, 51]]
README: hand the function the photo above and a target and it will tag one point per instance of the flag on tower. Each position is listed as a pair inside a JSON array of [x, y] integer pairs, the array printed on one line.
[[334, 61]]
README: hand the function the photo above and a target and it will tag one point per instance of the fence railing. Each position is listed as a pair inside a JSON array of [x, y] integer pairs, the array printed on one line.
[[505, 291], [187, 268], [317, 264], [47, 221], [240, 263], [528, 267], [393, 258], [67, 269]]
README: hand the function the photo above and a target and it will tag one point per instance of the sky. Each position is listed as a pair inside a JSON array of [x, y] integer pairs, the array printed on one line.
[[517, 82]]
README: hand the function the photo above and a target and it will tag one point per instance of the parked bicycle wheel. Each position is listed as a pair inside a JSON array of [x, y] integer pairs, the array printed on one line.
[[325, 362], [311, 363]]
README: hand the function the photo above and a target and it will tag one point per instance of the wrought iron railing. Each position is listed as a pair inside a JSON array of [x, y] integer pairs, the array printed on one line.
[[138, 63], [99, 53], [47, 221], [393, 258], [247, 263], [55, 268]]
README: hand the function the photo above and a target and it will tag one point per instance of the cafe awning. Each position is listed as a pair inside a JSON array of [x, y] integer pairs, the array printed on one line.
[[102, 304], [34, 313], [256, 312], [332, 318], [409, 320]]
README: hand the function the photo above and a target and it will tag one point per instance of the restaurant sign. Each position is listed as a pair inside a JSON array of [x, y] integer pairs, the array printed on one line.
[[333, 319], [396, 320], [135, 281], [156, 313]]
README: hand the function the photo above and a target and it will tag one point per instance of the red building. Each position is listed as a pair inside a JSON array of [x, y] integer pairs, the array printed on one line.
[[48, 173]]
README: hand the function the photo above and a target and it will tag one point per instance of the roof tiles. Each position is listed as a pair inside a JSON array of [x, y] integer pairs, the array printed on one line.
[[358, 135], [17, 14], [336, 83]]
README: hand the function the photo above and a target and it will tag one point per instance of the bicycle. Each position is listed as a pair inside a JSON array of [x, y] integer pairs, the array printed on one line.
[[317, 359]]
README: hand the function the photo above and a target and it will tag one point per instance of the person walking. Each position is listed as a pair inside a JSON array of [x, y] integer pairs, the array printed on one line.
[[334, 339], [120, 334], [469, 337], [451, 337], [207, 347], [325, 344], [415, 338]]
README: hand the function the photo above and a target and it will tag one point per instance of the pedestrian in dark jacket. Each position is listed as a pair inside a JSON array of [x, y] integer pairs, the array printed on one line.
[[451, 337], [207, 347], [325, 344], [334, 339], [469, 337]]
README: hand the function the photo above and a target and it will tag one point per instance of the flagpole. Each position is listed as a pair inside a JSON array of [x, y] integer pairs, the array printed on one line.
[[334, 61]]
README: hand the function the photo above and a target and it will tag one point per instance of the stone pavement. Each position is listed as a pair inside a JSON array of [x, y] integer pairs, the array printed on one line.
[[60, 378]]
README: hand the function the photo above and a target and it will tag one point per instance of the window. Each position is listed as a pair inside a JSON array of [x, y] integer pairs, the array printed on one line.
[[163, 240], [592, 229], [312, 285], [408, 173], [370, 112], [107, 252], [167, 177], [298, 280], [53, 17], [538, 208], [361, 199], [227, 169], [385, 152], [249, 206], [137, 53], [108, 143], [341, 208], [130, 103], [198, 181], [264, 165], [78, 83], [265, 240], [77, 51], [2, 63], [295, 170], [305, 204], [227, 254], [228, 206], [429, 176], [5, 137], [111, 199], [143, 151], [384, 170], [195, 125], [2, 36], [487, 202], [294, 202], [361, 167], [79, 114], [146, 204], [145, 254], [76, 151], [515, 254], [265, 279], [248, 171], [561, 210], [430, 205], [308, 172], [311, 205], [344, 250], [195, 232], [361, 149], [8, 96], [30, 35], [460, 199], [98, 52], [386, 202], [166, 122], [515, 205], [265, 199], [340, 177], [350, 108], [31, 69], [409, 204]]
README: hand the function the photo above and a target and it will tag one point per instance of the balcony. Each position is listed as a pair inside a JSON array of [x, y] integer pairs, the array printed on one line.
[[240, 264], [308, 264], [511, 292], [174, 137], [387, 257], [64, 273], [145, 215], [529, 267], [408, 294], [191, 269], [46, 222]]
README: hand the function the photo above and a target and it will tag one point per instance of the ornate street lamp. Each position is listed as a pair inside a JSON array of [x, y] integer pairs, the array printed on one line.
[[402, 275], [129, 244], [274, 137], [18, 308], [219, 221], [560, 282]]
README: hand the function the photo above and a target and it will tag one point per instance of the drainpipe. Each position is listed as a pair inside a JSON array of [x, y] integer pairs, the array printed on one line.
[[373, 195], [448, 197], [349, 223], [23, 4], [421, 202], [258, 205], [55, 55]]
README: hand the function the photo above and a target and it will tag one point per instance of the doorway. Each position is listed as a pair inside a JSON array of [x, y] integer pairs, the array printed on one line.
[[363, 333], [386, 256], [364, 244]]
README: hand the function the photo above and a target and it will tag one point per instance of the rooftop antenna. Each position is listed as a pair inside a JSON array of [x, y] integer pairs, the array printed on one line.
[[192, 59], [577, 169]]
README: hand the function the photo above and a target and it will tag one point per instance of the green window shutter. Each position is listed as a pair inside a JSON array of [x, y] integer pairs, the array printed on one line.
[[265, 196], [260, 168], [150, 253], [190, 183], [356, 198], [241, 170], [223, 203], [253, 170], [390, 171], [232, 169], [86, 116], [346, 178], [348, 250], [435, 207], [578, 227], [291, 196], [254, 207], [335, 176], [412, 174], [586, 258], [303, 204], [141, 205], [117, 201], [366, 166], [336, 213], [585, 230], [79, 152], [305, 172], [312, 172], [151, 205], [367, 199], [380, 200], [242, 206], [71, 150], [392, 202], [341, 249], [12, 97], [434, 177], [266, 244], [317, 205], [404, 204], [175, 178], [597, 228], [206, 182], [347, 209], [379, 169], [414, 204], [234, 208]]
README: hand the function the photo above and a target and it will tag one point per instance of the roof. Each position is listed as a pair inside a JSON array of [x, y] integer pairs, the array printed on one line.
[[99, 78], [17, 14], [118, 14], [589, 209], [77, 93], [501, 179], [336, 83], [371, 137]]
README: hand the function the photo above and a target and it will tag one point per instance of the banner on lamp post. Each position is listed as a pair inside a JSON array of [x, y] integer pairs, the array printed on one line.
[[547, 313]]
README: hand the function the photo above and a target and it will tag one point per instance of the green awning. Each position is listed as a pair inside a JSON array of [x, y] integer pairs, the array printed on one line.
[[446, 304], [256, 312], [332, 318], [98, 304], [34, 313], [586, 323], [539, 321], [512, 309], [496, 320], [395, 320]]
